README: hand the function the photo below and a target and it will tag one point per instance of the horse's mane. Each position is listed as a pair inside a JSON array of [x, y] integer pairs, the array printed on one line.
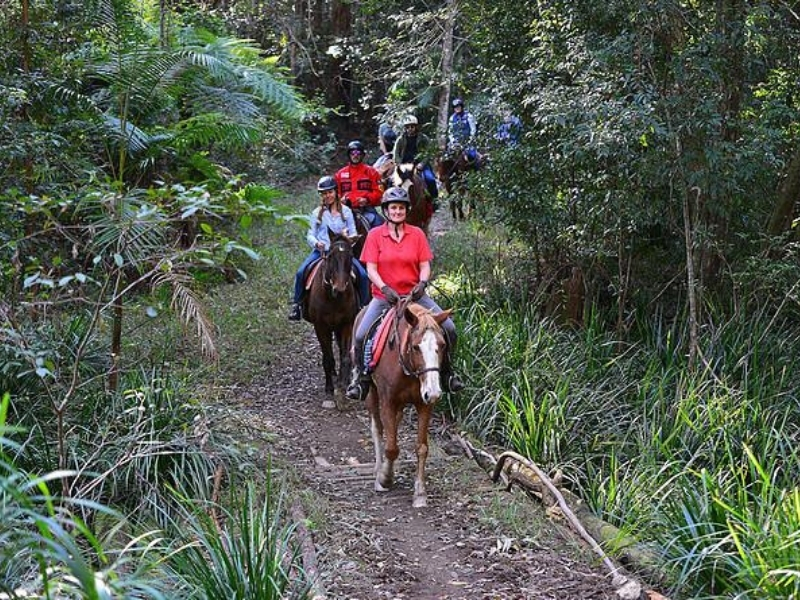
[[424, 316]]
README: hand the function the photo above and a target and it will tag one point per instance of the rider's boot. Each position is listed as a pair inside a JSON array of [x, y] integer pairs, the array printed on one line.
[[295, 312], [450, 381], [359, 379]]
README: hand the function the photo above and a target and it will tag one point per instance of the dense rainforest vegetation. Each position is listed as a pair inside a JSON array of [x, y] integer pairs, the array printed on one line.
[[637, 324]]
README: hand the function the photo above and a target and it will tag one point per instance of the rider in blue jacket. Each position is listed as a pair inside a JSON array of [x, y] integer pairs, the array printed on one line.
[[462, 131]]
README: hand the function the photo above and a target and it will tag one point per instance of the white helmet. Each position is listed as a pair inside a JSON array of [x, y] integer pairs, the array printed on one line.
[[410, 120]]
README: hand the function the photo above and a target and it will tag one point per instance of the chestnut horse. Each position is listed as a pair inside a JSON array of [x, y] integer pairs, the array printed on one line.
[[407, 373], [410, 179], [330, 305]]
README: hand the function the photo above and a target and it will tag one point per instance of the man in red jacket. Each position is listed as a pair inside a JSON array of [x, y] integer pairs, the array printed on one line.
[[360, 184]]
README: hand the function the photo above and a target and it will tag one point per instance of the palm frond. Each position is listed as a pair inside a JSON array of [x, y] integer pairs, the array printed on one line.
[[126, 134], [232, 59], [204, 129], [235, 104], [190, 309]]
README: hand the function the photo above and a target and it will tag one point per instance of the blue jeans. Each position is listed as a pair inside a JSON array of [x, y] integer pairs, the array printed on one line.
[[372, 216], [361, 278], [299, 284], [374, 310], [430, 181]]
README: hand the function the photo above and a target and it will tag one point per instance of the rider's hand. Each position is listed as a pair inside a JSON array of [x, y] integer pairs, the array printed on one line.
[[391, 296], [362, 201], [419, 290], [320, 245]]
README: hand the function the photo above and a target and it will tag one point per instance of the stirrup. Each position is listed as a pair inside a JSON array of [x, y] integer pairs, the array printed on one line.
[[357, 390], [453, 383], [296, 313]]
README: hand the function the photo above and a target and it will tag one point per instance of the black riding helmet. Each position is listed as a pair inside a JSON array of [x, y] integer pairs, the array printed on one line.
[[355, 145], [326, 183], [458, 102]]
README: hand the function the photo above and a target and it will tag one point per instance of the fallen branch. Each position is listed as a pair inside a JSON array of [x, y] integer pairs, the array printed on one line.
[[626, 587], [317, 591], [524, 475]]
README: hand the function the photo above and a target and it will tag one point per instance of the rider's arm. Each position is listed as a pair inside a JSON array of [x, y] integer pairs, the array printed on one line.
[[425, 270], [374, 276], [312, 235], [349, 221]]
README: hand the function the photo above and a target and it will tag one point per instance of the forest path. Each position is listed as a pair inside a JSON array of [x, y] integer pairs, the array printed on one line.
[[475, 540]]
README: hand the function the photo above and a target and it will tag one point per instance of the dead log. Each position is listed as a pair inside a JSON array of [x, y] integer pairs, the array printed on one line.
[[530, 478]]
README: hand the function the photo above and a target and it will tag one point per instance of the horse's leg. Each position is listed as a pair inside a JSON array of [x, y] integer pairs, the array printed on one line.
[[345, 339], [423, 419], [376, 431], [326, 345], [390, 420]]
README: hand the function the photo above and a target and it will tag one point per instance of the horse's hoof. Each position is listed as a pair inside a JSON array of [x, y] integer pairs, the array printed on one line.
[[420, 501], [379, 487], [328, 404]]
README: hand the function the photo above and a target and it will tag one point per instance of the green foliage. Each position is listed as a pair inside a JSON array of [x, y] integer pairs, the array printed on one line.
[[246, 553], [701, 463], [48, 551]]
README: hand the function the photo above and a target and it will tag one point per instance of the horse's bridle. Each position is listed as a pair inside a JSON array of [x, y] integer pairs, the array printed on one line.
[[404, 347], [338, 246]]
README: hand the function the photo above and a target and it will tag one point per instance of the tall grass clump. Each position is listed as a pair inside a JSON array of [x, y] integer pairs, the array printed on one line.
[[242, 551], [698, 459], [48, 551]]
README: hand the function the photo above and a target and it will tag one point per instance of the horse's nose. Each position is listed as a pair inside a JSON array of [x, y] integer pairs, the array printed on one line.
[[430, 397]]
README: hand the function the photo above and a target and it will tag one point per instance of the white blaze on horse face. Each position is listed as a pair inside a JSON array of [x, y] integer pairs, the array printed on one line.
[[430, 386]]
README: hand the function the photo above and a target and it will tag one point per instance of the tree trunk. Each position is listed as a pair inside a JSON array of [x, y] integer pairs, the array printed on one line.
[[788, 199], [691, 281], [341, 26], [448, 59]]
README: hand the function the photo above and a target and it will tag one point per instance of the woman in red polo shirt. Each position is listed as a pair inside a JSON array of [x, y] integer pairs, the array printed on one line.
[[398, 259]]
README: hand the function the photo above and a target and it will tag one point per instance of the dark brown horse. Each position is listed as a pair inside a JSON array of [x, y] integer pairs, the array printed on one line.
[[410, 179], [451, 169], [407, 373], [330, 305]]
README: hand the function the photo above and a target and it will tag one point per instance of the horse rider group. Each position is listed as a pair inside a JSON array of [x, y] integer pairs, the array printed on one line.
[[397, 255]]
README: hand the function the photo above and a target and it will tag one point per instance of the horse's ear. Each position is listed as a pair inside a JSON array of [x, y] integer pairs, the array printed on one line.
[[443, 316], [354, 239], [410, 316]]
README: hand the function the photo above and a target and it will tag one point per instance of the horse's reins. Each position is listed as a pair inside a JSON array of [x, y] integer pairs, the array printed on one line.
[[403, 349]]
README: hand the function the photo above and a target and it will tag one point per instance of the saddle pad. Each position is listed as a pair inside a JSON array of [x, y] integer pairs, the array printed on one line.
[[380, 337], [311, 272]]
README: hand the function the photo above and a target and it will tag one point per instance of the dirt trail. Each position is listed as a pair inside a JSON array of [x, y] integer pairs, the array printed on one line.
[[474, 540]]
